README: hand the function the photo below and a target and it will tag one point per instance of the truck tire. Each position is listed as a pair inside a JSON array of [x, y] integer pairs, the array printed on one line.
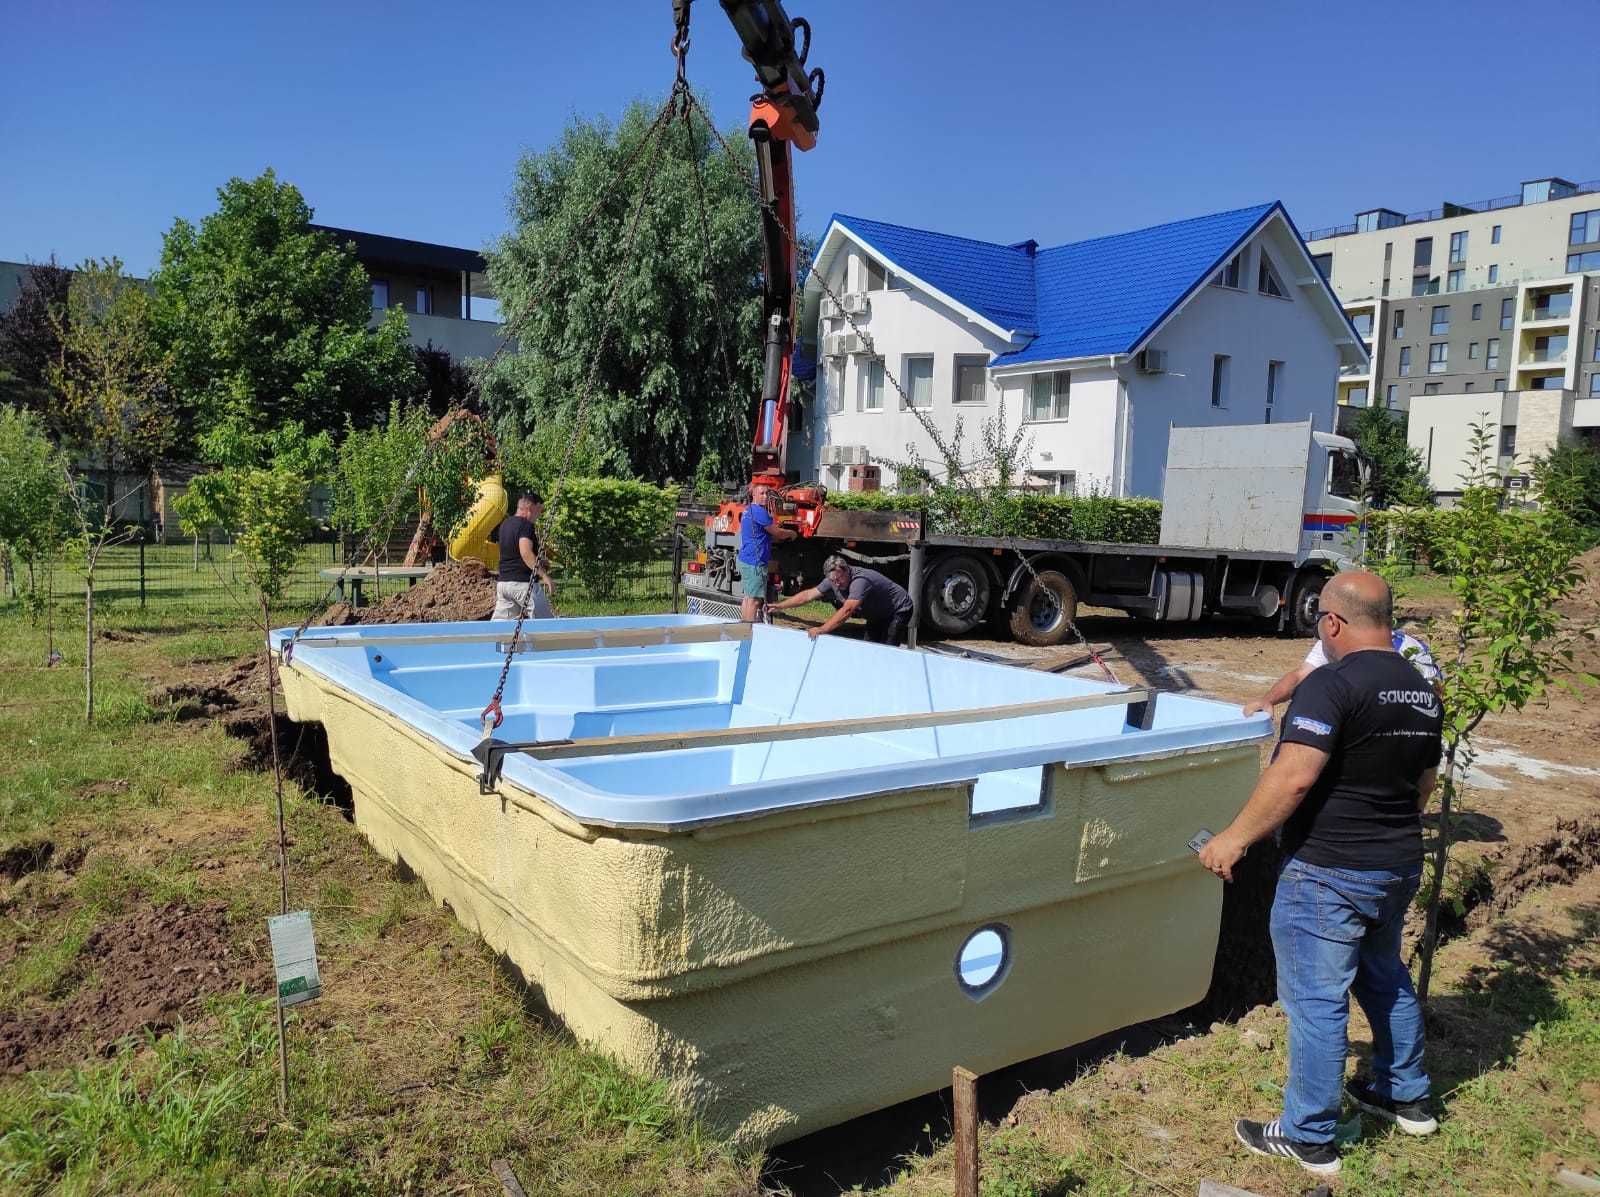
[[956, 595], [1307, 592], [1044, 609]]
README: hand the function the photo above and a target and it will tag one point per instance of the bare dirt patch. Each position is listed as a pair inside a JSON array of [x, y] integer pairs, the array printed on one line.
[[32, 856], [455, 591], [141, 973]]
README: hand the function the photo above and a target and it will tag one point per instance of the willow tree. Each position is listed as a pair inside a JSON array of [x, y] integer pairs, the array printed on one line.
[[676, 374]]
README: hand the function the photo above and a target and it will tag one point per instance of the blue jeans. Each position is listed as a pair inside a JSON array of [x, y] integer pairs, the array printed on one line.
[[1335, 930]]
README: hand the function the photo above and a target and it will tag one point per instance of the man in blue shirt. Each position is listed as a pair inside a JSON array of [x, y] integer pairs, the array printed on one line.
[[757, 530]]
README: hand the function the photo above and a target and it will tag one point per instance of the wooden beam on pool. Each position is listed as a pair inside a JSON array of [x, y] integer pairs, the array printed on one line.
[[555, 750], [542, 642]]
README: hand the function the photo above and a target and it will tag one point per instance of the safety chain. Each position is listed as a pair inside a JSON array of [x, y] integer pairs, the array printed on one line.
[[493, 715]]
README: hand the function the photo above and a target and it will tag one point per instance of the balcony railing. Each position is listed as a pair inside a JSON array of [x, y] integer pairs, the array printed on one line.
[[1545, 357], [1561, 313], [1450, 210]]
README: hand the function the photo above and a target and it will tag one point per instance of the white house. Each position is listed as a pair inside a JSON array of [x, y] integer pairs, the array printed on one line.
[[1100, 345]]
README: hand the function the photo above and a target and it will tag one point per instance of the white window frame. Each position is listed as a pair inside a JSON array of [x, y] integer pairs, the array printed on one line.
[[968, 361], [910, 400], [873, 386], [1059, 401], [1230, 274], [1267, 280]]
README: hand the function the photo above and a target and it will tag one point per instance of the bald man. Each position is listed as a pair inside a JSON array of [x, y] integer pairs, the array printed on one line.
[[1353, 768]]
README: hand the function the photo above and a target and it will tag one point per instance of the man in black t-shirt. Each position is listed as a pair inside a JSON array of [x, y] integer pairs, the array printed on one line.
[[1345, 790], [856, 590], [520, 564]]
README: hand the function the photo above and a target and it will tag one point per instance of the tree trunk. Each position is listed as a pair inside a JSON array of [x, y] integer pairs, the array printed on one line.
[[88, 646], [277, 765], [1441, 848], [420, 539]]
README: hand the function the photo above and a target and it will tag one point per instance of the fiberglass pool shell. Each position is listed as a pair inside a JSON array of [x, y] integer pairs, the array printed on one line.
[[777, 676]]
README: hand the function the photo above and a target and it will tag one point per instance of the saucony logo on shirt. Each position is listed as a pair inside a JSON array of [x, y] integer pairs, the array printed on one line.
[[1421, 701]]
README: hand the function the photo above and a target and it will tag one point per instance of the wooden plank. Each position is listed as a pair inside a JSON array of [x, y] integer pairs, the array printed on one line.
[[555, 750], [964, 1089], [507, 1178], [551, 641]]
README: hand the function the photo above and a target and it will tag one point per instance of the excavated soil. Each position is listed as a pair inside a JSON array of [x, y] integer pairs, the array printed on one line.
[[453, 592], [141, 973]]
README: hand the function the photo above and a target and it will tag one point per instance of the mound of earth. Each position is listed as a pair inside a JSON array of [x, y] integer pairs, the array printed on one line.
[[455, 591], [1583, 604], [142, 973]]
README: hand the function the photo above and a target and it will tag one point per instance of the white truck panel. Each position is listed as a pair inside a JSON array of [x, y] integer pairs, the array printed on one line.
[[1236, 487]]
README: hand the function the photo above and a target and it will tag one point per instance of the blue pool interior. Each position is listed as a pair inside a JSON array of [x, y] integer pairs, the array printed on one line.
[[777, 676]]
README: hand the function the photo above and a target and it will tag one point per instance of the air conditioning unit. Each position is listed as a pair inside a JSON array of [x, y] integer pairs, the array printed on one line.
[[854, 343], [1153, 361], [855, 303], [829, 308], [833, 344]]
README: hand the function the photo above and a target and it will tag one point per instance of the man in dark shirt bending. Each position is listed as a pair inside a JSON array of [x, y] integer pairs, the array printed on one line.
[[515, 592], [856, 590], [1347, 783]]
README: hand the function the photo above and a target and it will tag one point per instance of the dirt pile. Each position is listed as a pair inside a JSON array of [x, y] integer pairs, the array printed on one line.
[[1583, 604], [454, 591], [143, 972]]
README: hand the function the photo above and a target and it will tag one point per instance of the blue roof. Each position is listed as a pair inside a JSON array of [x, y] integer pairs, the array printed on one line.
[[1083, 299]]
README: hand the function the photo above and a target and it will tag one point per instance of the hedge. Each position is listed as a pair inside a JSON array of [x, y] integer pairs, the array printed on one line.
[[600, 524], [1035, 517]]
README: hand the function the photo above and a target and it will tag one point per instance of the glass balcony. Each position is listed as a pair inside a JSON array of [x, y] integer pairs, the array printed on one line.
[[1552, 311], [1545, 357]]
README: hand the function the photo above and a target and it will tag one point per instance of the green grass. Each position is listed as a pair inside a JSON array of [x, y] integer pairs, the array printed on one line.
[[420, 1064]]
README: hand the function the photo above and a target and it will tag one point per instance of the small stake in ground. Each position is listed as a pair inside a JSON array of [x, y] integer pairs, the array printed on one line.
[[964, 1087]]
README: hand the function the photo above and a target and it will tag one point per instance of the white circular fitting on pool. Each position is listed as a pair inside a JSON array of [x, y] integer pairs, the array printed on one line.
[[984, 960]]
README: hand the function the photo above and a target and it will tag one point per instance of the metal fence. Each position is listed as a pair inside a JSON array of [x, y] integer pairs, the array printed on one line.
[[207, 578]]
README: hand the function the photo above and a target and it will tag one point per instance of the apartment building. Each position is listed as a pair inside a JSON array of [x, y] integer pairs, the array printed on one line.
[[1497, 295], [1093, 349]]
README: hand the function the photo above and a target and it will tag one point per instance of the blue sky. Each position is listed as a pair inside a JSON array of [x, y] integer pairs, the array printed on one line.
[[999, 119]]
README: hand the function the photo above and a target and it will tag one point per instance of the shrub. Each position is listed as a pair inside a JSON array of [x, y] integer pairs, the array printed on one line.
[[1024, 516], [597, 525]]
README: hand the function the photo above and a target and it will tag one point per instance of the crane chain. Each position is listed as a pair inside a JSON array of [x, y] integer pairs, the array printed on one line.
[[939, 442]]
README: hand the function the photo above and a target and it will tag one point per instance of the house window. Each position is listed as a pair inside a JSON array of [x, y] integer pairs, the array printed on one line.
[[1228, 276], [1452, 281], [1491, 358], [1363, 323], [1597, 346], [1062, 482], [1583, 261], [1472, 351], [1356, 396], [1458, 247], [877, 276], [1441, 320], [1049, 396], [1405, 360], [1438, 357], [1499, 384], [1508, 312], [1594, 384], [972, 381], [1267, 278], [1391, 396], [873, 400], [1585, 227], [1494, 235], [424, 300], [1399, 321], [1494, 272], [1477, 311], [1274, 378], [1508, 440], [1425, 286], [1324, 265], [919, 380], [1430, 388], [1422, 253], [1550, 348], [380, 294], [1545, 382], [834, 381], [1219, 380], [1469, 388]]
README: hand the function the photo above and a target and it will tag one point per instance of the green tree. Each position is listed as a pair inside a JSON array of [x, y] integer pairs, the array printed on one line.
[[1508, 571], [111, 376], [678, 375], [30, 342], [1568, 479], [266, 318], [1397, 474], [35, 502]]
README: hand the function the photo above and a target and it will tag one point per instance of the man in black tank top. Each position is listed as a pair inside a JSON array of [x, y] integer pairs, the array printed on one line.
[[1352, 770]]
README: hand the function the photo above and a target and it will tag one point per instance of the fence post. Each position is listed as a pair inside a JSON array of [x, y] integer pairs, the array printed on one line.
[[964, 1092], [141, 569], [677, 562]]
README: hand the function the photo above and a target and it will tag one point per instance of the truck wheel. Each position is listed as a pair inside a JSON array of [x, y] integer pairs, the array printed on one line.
[[1307, 594], [1043, 612], [956, 595]]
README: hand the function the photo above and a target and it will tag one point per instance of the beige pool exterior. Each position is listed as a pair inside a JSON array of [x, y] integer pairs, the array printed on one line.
[[788, 971]]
